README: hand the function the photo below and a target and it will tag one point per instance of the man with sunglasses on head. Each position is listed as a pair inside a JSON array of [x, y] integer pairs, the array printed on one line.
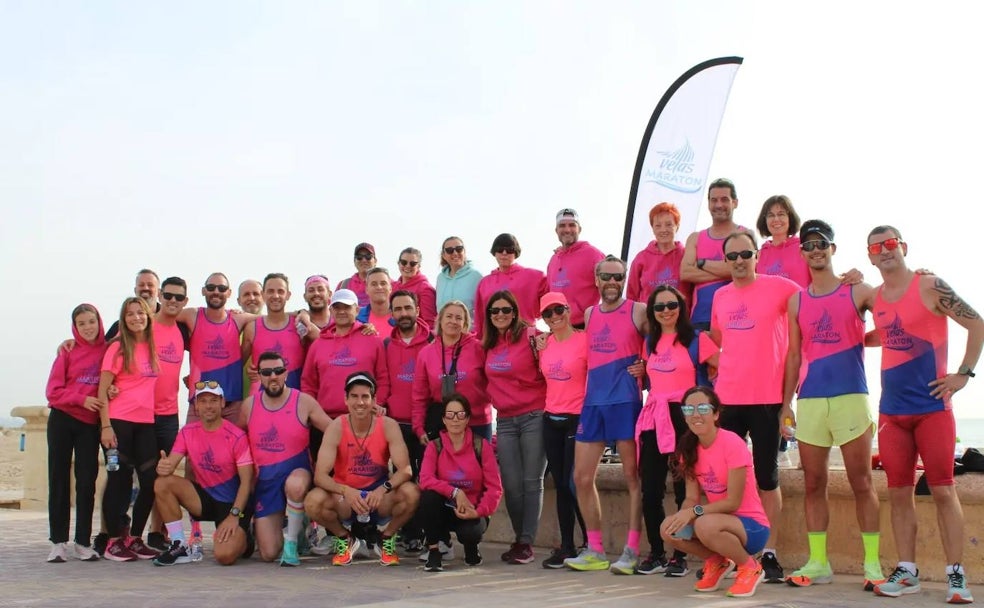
[[748, 323], [278, 419], [915, 412], [571, 268], [826, 331], [364, 259]]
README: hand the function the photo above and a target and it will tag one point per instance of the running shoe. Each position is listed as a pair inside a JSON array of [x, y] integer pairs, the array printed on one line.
[[715, 569], [85, 554], [747, 581], [58, 554], [956, 589], [899, 582], [140, 549], [177, 554], [388, 556], [523, 554], [99, 543], [446, 548], [413, 546], [473, 557], [653, 564], [626, 563], [507, 555], [345, 549], [872, 576], [433, 561], [811, 574], [117, 551], [770, 565], [157, 541], [677, 566], [588, 560], [325, 546], [289, 557], [557, 557]]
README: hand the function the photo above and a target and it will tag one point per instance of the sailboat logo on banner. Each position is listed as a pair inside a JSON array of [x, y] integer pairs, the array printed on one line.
[[676, 170]]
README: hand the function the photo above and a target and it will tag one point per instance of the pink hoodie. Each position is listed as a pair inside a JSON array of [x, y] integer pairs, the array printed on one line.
[[516, 385], [75, 375], [470, 382], [571, 272], [651, 268], [527, 284], [426, 296], [401, 361], [460, 469], [331, 358], [357, 285]]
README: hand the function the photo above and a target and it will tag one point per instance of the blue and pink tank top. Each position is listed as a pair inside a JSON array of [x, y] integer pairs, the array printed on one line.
[[215, 457], [832, 344], [285, 342], [362, 464], [277, 438], [614, 343], [708, 248], [215, 354]]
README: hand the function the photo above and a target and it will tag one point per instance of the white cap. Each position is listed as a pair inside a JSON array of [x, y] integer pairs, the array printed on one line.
[[344, 296]]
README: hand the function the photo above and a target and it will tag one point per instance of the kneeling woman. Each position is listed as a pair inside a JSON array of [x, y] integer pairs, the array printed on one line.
[[731, 525], [461, 487]]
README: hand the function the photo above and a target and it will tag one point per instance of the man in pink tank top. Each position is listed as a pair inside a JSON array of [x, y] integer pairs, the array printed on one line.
[[915, 412], [317, 293], [353, 479], [276, 331]]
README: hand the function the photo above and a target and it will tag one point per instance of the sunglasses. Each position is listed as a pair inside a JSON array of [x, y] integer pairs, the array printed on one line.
[[179, 297], [206, 383], [462, 415], [821, 244], [661, 306], [701, 408], [505, 310], [273, 371], [506, 250], [889, 244], [363, 257], [558, 310], [410, 263], [214, 287], [734, 255], [455, 249], [608, 276]]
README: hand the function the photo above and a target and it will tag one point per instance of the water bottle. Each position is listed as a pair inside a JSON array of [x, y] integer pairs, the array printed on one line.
[[363, 518], [112, 460], [787, 426], [302, 329], [958, 449]]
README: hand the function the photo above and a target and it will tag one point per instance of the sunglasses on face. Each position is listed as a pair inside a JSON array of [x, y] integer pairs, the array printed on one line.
[[821, 244], [701, 408], [179, 297], [273, 371], [734, 255], [505, 310], [363, 257], [218, 288], [661, 306], [618, 277], [889, 244], [206, 383], [462, 415], [506, 250], [558, 310], [455, 249], [410, 263]]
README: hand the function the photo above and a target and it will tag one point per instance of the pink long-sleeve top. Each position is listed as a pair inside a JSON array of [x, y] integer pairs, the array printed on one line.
[[571, 272], [75, 376], [434, 361], [401, 362], [651, 268], [480, 481], [331, 358], [426, 296], [516, 385], [527, 284]]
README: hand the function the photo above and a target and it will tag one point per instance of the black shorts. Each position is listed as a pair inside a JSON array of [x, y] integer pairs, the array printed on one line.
[[216, 511], [761, 423], [166, 430]]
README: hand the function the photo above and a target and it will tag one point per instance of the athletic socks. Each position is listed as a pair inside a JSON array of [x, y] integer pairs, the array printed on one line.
[[594, 541], [295, 519], [632, 542], [818, 547], [175, 530]]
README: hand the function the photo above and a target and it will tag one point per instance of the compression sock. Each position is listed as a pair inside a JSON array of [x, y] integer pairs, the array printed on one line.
[[295, 519]]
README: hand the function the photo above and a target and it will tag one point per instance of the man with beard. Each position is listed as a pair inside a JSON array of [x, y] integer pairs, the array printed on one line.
[[251, 297], [316, 293], [146, 287], [276, 331], [277, 421]]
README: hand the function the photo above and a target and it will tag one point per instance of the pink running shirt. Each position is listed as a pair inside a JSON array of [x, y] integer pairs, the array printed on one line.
[[170, 356], [135, 403], [565, 368], [215, 456], [785, 261], [729, 451]]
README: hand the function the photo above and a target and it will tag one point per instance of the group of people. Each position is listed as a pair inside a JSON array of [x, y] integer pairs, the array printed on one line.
[[369, 412]]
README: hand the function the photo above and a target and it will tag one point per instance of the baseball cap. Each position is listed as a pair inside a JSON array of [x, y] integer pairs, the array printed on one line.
[[344, 296], [208, 386], [811, 227], [365, 246], [552, 297], [568, 214]]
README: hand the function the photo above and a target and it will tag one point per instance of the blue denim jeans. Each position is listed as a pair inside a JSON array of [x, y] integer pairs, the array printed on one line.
[[522, 463]]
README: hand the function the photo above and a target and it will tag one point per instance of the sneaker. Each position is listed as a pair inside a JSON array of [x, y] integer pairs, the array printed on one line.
[[433, 561], [900, 582], [58, 554], [956, 590], [413, 546], [345, 549], [157, 541], [770, 565], [117, 551], [715, 569], [588, 560], [811, 574], [872, 576], [508, 554], [870, 583], [307, 539], [677, 566], [325, 546], [388, 556], [446, 549], [626, 563], [747, 581], [196, 553], [140, 549], [99, 543], [523, 554], [653, 564], [288, 556], [85, 554], [557, 557], [177, 554], [473, 557]]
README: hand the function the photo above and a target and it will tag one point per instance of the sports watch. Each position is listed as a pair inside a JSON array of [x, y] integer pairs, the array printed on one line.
[[698, 510], [237, 512], [387, 486]]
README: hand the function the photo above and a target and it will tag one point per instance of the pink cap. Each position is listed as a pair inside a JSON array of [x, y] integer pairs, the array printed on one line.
[[551, 298]]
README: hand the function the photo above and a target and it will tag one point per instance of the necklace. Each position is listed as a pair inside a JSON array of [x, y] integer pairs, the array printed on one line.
[[361, 444]]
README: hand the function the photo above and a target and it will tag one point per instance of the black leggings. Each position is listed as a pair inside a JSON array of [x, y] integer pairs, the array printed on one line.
[[137, 444], [439, 521], [653, 468], [558, 443], [68, 435]]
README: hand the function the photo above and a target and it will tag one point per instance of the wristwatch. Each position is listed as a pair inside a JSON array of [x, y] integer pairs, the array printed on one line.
[[237, 512], [700, 263], [698, 510], [387, 486], [963, 370]]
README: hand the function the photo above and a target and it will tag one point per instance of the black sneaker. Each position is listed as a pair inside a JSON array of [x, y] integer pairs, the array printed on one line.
[[156, 540], [434, 561], [677, 566], [773, 571], [176, 554], [413, 546], [557, 557], [473, 557], [654, 564]]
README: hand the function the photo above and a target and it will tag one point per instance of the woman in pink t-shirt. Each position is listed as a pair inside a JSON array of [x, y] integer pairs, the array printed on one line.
[[780, 254], [127, 424], [729, 525]]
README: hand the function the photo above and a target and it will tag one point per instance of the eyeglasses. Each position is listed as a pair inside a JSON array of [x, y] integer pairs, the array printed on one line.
[[734, 255], [558, 310], [179, 297], [889, 244], [506, 250], [455, 249], [505, 310], [618, 277], [273, 371], [462, 415], [206, 383], [701, 408], [363, 257], [661, 306], [410, 263], [821, 244], [214, 287], [777, 216]]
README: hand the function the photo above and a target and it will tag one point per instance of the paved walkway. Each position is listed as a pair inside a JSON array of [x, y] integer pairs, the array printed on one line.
[[27, 580]]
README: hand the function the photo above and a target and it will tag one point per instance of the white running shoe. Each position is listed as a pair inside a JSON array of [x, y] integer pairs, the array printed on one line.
[[58, 554]]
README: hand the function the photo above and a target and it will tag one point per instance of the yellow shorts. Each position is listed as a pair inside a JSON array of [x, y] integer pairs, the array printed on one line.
[[830, 421]]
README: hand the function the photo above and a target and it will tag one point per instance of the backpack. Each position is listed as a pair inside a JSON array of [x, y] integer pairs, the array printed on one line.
[[476, 445]]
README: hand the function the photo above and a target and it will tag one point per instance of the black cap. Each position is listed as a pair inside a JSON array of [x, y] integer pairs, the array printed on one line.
[[817, 227]]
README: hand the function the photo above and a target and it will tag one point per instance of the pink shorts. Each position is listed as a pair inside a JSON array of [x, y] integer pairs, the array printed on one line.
[[901, 438]]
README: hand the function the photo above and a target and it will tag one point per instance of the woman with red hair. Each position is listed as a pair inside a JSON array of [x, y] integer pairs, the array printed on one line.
[[659, 263]]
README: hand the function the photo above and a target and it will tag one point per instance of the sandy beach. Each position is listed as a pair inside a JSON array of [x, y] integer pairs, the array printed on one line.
[[11, 462]]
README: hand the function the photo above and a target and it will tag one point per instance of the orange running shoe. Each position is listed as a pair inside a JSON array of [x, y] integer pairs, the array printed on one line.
[[345, 549], [746, 582], [716, 568]]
